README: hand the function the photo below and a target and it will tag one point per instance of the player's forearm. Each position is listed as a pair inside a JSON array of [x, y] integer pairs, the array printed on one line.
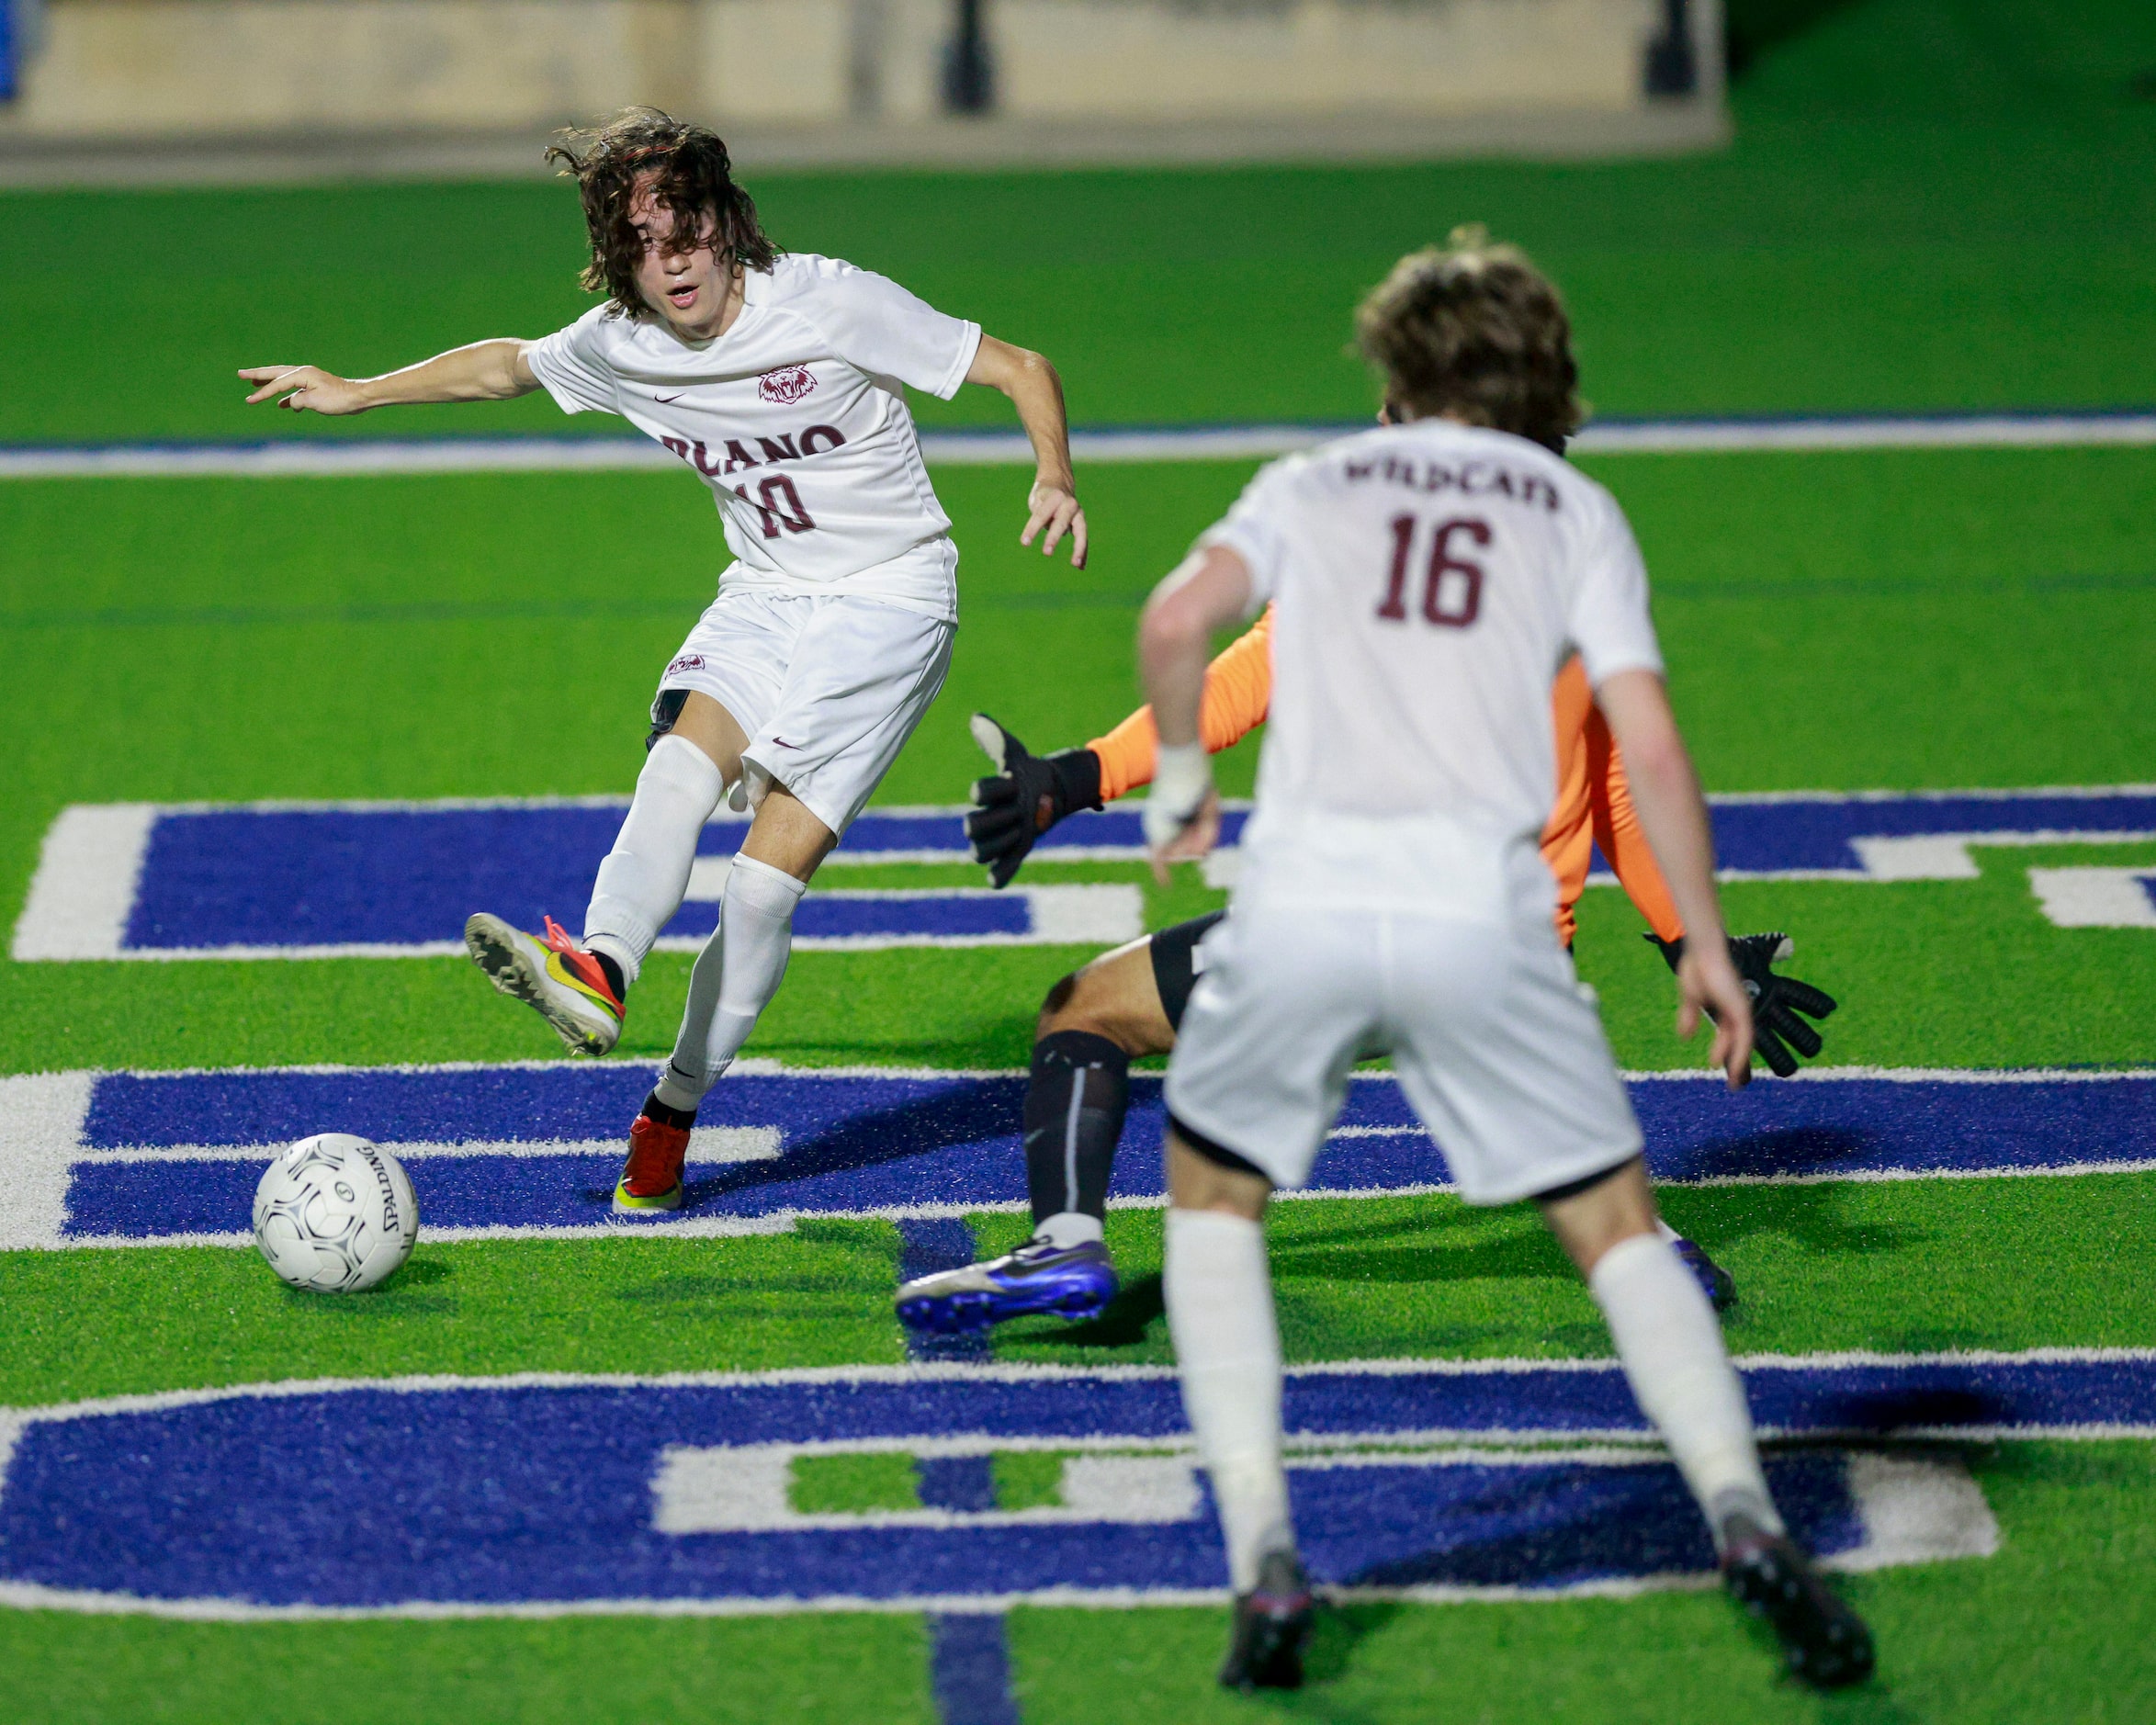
[[485, 371], [1036, 392], [1171, 659], [1210, 588]]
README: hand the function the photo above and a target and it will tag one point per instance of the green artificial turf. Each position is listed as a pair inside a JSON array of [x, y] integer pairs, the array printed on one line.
[[1928, 203], [1902, 1268], [2055, 1626], [577, 1671], [852, 1483], [115, 1322], [1931, 204]]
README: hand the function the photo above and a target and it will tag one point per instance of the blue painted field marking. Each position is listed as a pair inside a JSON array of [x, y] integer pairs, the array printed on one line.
[[135, 1157], [930, 1245], [398, 879], [121, 1158], [548, 1494], [969, 1667]]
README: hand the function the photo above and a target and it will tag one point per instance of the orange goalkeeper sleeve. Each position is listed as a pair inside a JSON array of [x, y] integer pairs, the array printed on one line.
[[1595, 807], [1238, 689]]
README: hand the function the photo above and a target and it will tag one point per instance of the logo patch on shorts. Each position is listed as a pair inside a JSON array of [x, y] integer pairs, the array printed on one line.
[[787, 384], [687, 661]]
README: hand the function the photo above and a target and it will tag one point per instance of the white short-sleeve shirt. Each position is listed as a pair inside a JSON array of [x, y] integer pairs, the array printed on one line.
[[795, 420], [1431, 579]]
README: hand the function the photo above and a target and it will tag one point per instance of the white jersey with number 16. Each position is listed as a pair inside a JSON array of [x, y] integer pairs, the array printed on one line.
[[1431, 579]]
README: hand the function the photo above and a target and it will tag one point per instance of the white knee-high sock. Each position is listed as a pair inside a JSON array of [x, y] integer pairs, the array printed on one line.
[[736, 976], [1227, 1350], [1680, 1374], [641, 881]]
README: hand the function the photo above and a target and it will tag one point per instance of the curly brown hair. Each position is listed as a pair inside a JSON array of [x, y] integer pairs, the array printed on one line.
[[689, 172], [1474, 331]]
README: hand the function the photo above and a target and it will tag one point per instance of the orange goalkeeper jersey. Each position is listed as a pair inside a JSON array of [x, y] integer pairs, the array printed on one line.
[[1594, 804]]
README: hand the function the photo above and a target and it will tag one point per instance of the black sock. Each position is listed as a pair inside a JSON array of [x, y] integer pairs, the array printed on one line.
[[654, 1109], [613, 973], [1075, 1103]]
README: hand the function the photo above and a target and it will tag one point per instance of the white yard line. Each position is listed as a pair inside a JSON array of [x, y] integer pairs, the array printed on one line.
[[83, 891], [361, 458]]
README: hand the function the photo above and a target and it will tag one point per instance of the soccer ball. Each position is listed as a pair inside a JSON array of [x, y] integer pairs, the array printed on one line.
[[335, 1213]]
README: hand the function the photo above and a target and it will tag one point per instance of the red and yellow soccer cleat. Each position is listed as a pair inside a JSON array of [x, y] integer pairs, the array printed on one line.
[[652, 1180], [559, 979]]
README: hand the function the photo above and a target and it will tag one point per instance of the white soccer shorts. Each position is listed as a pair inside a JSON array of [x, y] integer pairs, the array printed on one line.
[[1498, 1048], [828, 688]]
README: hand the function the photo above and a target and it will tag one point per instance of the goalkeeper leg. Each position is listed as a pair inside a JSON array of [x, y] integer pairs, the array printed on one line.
[[1094, 1022]]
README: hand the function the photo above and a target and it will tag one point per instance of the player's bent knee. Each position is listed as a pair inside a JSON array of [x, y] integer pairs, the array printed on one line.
[[1114, 997], [1056, 1002]]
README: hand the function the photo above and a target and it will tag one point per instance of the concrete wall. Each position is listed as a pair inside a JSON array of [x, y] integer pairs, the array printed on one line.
[[182, 68]]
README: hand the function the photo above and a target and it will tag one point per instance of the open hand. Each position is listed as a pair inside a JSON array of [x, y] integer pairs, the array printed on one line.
[[1708, 982], [305, 388], [1056, 507], [1192, 841]]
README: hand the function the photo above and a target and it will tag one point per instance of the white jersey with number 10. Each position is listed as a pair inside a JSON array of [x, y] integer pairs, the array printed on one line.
[[1431, 579], [797, 421]]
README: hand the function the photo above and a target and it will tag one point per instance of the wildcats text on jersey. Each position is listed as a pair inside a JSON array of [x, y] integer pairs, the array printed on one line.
[[1470, 478]]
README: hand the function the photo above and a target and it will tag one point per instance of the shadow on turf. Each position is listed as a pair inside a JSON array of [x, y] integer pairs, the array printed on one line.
[[1810, 1215], [964, 1115], [1134, 1310]]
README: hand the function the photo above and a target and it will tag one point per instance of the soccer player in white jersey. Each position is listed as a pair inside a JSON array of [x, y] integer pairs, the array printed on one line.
[[777, 378], [1430, 578]]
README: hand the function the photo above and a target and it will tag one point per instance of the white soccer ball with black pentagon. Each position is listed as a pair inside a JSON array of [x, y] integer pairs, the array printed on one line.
[[335, 1214]]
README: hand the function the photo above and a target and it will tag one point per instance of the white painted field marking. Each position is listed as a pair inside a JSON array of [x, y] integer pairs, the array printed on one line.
[[1916, 1509], [372, 457], [747, 1488], [1944, 856], [2096, 898], [84, 887], [707, 1143], [42, 1114]]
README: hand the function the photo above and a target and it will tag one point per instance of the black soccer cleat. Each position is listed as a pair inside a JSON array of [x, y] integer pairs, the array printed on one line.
[[1273, 1621], [1823, 1641]]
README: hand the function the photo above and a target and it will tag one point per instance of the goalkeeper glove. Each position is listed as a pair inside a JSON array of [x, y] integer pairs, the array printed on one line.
[[1023, 798], [1775, 1000]]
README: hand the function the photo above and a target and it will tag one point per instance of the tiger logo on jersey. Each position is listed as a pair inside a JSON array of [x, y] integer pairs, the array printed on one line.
[[786, 385]]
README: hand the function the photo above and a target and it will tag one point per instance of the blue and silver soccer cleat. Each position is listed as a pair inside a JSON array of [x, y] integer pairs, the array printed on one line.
[[1075, 1282], [1715, 1283]]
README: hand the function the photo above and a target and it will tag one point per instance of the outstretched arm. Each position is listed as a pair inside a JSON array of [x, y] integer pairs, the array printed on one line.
[[1238, 692], [1665, 791], [1037, 393], [486, 371], [1028, 794]]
